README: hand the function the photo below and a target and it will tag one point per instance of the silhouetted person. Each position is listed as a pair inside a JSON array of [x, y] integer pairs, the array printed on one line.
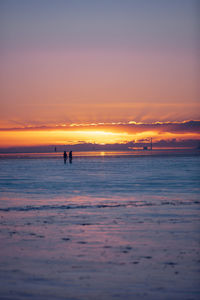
[[65, 156], [55, 149], [70, 157]]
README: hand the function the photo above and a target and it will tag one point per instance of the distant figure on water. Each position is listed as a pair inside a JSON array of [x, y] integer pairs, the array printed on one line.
[[55, 149], [70, 157], [65, 156]]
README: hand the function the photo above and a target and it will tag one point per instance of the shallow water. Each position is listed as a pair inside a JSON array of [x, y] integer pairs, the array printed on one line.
[[115, 226], [101, 176]]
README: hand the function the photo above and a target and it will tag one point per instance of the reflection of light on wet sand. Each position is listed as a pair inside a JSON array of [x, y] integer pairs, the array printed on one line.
[[130, 245]]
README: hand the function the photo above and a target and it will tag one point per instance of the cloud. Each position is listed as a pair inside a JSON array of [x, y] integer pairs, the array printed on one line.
[[99, 133], [130, 127]]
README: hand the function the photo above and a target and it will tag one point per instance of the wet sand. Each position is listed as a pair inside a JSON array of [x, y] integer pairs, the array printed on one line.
[[102, 252]]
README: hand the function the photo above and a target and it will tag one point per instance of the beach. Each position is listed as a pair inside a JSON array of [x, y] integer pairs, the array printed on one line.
[[118, 226]]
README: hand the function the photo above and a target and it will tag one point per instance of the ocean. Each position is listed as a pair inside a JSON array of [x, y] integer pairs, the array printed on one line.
[[108, 225]]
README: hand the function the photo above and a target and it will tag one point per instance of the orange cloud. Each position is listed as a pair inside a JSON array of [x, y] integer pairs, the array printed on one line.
[[101, 133]]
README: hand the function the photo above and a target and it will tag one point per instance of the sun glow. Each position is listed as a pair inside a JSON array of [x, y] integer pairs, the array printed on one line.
[[80, 135], [46, 137]]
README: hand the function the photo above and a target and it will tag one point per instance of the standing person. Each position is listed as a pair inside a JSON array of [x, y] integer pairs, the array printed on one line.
[[70, 157], [65, 156]]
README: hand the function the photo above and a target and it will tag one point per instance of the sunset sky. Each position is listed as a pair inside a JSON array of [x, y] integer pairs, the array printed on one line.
[[108, 71]]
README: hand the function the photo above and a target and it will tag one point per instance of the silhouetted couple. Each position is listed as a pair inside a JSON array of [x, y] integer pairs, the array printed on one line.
[[65, 156]]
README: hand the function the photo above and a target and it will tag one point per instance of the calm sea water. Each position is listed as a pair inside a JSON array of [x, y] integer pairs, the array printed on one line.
[[106, 226], [114, 176]]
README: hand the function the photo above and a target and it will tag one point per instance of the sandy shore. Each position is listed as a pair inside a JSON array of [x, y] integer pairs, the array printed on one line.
[[141, 252]]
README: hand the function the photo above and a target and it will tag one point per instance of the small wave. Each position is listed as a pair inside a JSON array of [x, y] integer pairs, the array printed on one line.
[[97, 206], [58, 207]]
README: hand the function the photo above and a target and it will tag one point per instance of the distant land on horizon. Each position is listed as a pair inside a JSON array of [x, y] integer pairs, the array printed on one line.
[[162, 144]]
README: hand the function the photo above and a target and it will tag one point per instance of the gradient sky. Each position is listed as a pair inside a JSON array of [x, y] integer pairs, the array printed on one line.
[[65, 62]]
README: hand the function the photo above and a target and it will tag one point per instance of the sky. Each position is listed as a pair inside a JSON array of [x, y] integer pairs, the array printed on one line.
[[95, 65]]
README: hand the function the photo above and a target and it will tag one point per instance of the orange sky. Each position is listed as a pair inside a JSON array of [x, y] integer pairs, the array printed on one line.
[[99, 133]]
